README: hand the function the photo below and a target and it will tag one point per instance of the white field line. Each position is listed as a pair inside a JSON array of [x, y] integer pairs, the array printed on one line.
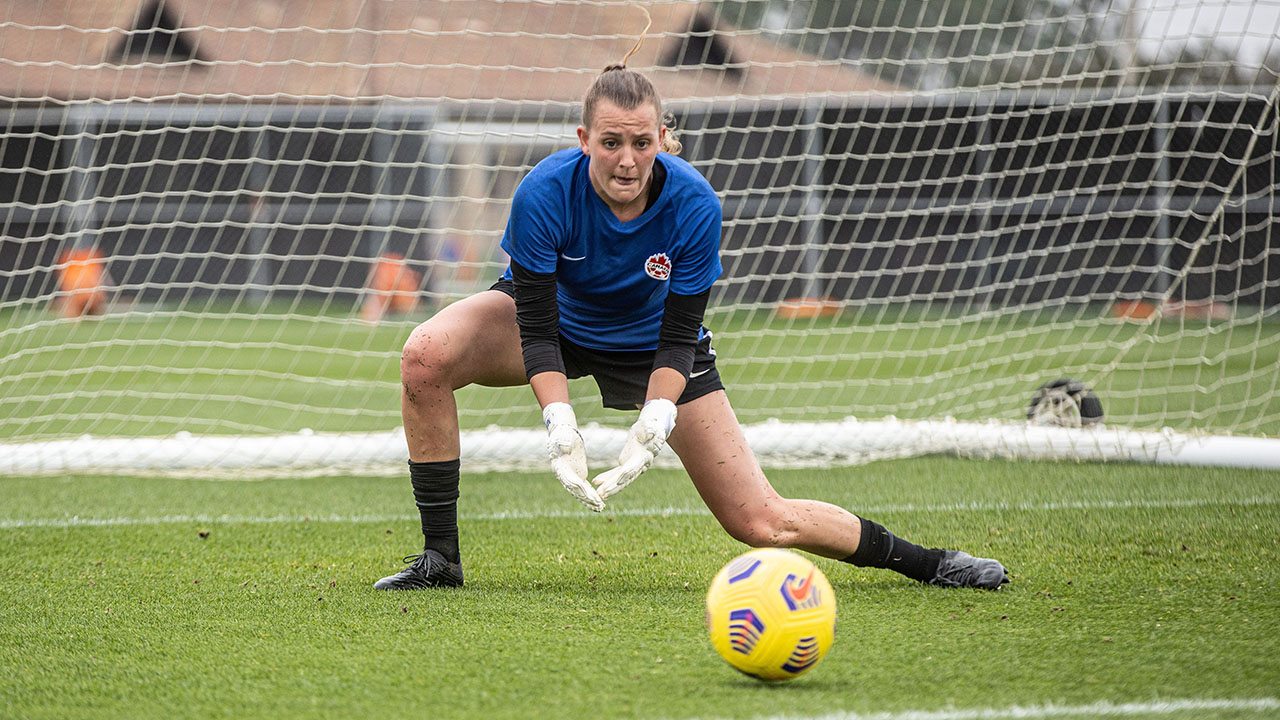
[[1098, 709], [77, 521]]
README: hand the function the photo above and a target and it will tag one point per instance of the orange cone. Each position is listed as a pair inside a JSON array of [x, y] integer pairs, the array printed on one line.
[[81, 283], [393, 288], [808, 307]]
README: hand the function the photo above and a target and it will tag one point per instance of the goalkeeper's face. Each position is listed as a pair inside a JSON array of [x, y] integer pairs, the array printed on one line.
[[622, 145]]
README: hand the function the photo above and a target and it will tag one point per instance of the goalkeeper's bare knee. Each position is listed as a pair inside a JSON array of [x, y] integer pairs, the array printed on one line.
[[761, 529], [428, 362]]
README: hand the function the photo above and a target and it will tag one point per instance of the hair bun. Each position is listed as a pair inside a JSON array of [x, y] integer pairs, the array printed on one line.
[[613, 67]]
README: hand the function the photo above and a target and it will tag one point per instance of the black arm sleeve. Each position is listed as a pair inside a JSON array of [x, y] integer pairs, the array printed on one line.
[[678, 337], [539, 319]]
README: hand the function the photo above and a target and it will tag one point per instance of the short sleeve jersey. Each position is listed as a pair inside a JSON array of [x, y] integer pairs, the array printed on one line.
[[612, 278]]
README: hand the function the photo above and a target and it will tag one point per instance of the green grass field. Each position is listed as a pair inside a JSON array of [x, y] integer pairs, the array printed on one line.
[[219, 373], [1138, 591]]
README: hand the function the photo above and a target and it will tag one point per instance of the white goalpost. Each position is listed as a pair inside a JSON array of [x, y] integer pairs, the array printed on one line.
[[1039, 230]]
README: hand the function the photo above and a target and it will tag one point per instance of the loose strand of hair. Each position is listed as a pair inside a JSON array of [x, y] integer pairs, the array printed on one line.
[[639, 41]]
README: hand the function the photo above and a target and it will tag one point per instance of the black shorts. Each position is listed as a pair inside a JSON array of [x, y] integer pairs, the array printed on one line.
[[623, 375]]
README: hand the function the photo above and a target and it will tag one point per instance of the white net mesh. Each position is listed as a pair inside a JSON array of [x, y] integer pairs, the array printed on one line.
[[223, 219]]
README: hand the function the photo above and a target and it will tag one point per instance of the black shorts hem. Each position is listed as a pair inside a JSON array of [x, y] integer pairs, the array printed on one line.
[[505, 285], [623, 375]]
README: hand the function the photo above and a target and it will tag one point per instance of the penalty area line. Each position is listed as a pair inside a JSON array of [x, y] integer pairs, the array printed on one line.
[[77, 521], [1030, 712]]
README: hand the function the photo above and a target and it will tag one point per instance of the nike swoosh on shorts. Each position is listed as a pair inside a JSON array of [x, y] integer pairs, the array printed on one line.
[[573, 259]]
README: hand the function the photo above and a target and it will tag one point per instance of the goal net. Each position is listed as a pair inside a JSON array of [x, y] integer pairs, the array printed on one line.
[[1038, 229]]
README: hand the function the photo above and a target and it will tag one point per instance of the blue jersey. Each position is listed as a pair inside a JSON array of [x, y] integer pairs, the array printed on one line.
[[613, 277]]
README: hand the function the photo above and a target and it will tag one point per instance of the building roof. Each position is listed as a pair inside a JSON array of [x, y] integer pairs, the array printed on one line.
[[350, 50]]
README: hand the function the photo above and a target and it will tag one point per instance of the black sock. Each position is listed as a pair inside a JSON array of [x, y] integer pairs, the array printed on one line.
[[435, 488], [880, 548]]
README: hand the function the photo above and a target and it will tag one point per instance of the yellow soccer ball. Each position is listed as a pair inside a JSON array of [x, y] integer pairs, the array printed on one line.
[[771, 614]]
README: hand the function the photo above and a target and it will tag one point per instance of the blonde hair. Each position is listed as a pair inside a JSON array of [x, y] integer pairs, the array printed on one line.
[[628, 90]]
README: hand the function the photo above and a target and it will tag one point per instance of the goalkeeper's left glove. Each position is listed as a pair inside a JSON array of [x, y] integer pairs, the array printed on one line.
[[643, 443]]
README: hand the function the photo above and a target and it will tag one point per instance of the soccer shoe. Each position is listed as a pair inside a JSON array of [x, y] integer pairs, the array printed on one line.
[[429, 569], [960, 569]]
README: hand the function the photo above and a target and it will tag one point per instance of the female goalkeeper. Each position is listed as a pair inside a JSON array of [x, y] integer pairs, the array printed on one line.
[[614, 246]]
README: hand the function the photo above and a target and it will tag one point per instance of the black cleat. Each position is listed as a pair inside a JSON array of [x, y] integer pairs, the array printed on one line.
[[429, 569], [960, 569]]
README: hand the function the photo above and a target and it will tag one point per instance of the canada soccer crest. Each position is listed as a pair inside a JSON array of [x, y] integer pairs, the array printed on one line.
[[658, 266]]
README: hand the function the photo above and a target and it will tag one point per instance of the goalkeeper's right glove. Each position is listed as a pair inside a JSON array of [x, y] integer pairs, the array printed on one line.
[[568, 454]]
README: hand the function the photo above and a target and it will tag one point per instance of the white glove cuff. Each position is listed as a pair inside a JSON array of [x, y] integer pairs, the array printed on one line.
[[664, 412], [559, 413]]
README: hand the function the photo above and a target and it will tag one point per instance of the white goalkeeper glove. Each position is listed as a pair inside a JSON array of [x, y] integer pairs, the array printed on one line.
[[568, 455], [643, 443]]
